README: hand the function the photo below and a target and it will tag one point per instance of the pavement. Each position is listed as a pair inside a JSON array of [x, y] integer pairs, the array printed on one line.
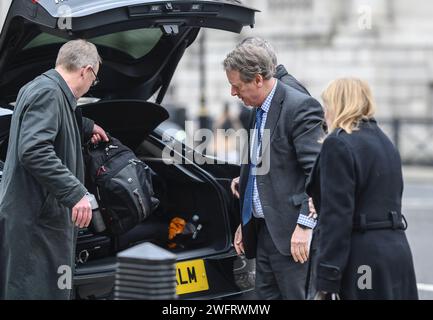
[[418, 174], [418, 210]]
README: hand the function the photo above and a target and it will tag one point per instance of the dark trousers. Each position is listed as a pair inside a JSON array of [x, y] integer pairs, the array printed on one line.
[[277, 276]]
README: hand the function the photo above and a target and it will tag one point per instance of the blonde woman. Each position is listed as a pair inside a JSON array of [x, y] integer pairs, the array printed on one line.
[[356, 186]]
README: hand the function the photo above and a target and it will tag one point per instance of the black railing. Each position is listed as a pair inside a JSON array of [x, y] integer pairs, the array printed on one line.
[[413, 137]]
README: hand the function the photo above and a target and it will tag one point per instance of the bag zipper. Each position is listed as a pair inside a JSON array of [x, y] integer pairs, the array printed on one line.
[[140, 201]]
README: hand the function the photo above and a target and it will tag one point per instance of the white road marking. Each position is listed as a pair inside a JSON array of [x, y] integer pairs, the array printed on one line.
[[425, 287], [417, 204]]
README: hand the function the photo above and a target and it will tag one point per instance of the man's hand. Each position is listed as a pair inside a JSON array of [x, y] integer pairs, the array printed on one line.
[[82, 213], [300, 244], [235, 187], [239, 245], [98, 134]]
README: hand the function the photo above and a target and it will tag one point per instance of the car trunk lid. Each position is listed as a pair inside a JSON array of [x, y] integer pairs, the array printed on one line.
[[141, 42]]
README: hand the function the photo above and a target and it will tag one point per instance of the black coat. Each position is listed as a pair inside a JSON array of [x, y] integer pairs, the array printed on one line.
[[247, 116], [294, 122], [357, 186], [282, 74]]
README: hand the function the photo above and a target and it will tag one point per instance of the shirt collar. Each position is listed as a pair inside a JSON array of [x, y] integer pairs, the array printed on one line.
[[267, 103]]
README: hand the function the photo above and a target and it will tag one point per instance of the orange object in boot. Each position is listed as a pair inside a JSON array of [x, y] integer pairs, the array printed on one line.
[[177, 225]]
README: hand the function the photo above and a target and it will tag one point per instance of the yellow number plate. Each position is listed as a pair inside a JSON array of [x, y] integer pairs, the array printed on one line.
[[191, 277]]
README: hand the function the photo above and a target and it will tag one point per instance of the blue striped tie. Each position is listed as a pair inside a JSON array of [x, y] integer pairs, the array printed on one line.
[[248, 196]]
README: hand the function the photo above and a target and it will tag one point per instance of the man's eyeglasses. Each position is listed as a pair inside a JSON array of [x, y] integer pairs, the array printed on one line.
[[96, 81]]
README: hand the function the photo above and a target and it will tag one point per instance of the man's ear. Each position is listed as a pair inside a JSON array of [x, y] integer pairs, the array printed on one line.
[[258, 80], [85, 69]]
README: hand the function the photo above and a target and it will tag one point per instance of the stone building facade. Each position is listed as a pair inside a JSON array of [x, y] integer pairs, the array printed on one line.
[[389, 43]]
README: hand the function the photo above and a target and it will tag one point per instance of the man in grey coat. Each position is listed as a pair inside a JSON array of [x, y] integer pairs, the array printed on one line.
[[42, 196], [275, 227]]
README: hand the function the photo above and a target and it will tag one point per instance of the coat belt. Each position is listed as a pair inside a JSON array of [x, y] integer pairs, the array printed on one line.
[[394, 221]]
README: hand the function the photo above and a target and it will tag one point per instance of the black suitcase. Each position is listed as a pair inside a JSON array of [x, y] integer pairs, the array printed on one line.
[[91, 246]]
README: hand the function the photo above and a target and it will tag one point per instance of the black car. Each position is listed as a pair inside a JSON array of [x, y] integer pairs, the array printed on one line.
[[141, 43]]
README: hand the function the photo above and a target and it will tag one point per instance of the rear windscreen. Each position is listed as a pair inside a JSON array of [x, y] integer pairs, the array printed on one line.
[[136, 43]]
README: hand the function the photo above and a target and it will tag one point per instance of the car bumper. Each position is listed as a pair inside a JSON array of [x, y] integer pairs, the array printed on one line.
[[227, 275]]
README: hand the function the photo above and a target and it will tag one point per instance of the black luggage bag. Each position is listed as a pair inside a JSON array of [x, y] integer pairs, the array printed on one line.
[[122, 185]]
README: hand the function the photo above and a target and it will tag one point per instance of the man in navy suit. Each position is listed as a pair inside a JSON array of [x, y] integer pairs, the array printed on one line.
[[275, 227]]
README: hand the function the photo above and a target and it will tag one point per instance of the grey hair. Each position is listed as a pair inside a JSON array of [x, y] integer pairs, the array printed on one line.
[[76, 54], [259, 42], [249, 60]]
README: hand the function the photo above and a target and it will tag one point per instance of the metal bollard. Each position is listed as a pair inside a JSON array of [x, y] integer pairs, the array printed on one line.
[[145, 272]]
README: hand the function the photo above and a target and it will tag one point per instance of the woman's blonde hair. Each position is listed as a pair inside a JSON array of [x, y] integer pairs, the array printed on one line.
[[349, 100]]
